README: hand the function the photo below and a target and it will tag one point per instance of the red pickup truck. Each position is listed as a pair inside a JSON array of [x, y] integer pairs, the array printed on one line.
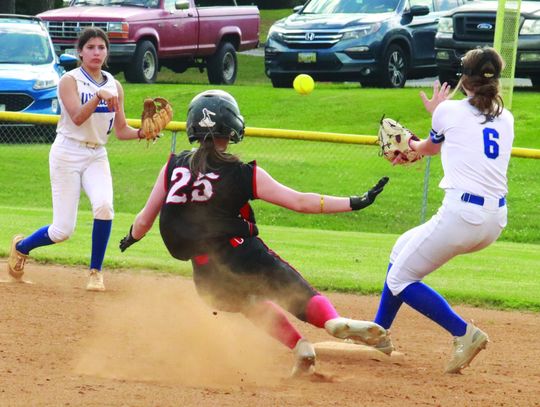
[[148, 34]]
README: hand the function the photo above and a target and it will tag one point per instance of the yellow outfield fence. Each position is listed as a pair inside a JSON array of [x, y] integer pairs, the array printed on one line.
[[250, 132], [333, 163]]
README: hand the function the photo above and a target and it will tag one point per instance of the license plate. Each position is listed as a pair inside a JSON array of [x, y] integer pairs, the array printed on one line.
[[307, 57], [2, 108], [71, 51]]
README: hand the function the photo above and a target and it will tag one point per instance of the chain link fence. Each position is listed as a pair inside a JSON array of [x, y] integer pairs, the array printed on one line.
[[26, 133], [324, 167]]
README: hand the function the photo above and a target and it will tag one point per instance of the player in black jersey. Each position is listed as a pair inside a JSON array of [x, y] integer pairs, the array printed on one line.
[[203, 196]]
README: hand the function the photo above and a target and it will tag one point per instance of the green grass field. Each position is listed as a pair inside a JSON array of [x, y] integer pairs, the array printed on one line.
[[310, 166], [504, 275], [345, 252]]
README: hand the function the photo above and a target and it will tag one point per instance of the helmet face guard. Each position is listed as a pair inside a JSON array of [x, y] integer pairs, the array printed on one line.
[[214, 113]]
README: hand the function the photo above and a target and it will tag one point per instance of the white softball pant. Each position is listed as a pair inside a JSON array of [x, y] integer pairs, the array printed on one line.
[[73, 165], [457, 228]]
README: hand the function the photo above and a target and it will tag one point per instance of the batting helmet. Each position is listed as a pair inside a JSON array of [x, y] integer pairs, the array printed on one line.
[[214, 113]]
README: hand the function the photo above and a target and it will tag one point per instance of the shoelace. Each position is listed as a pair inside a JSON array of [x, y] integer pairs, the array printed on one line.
[[20, 263]]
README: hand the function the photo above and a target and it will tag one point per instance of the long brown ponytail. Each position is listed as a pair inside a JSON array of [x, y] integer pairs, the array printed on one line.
[[481, 72], [208, 157]]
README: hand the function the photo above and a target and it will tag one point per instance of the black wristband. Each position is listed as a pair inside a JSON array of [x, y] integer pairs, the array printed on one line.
[[128, 240], [358, 202]]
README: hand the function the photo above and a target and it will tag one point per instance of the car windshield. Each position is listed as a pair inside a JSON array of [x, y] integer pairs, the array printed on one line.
[[127, 3], [349, 6], [18, 47]]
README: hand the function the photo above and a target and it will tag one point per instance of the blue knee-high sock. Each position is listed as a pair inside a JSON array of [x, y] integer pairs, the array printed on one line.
[[430, 303], [37, 239], [388, 306], [100, 238]]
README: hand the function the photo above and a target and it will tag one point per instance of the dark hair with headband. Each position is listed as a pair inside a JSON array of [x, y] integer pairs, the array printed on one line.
[[481, 72]]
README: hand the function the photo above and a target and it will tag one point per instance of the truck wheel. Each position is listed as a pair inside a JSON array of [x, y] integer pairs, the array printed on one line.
[[282, 81], [535, 82], [222, 67], [144, 67], [393, 68]]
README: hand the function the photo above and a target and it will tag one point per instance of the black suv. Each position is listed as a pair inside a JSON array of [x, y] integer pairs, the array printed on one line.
[[473, 25], [374, 42]]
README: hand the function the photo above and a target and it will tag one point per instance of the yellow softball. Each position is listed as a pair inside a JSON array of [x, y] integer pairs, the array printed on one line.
[[304, 84]]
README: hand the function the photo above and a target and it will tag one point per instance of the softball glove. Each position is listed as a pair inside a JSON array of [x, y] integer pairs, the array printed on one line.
[[157, 113], [394, 141]]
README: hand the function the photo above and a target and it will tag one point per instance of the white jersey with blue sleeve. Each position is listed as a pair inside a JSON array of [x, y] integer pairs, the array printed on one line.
[[474, 152], [98, 126]]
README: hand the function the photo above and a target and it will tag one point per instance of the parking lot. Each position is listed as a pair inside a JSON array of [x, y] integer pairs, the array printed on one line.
[[411, 83]]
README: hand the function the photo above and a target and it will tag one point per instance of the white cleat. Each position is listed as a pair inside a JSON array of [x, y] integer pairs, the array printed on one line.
[[365, 332], [385, 346], [16, 260], [305, 356], [95, 281], [466, 347]]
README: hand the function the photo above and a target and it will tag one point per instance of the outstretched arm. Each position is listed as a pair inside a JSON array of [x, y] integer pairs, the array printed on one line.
[[425, 147], [440, 94], [146, 217], [270, 190]]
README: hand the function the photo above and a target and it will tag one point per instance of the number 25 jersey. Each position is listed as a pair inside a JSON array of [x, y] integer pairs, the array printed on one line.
[[203, 208]]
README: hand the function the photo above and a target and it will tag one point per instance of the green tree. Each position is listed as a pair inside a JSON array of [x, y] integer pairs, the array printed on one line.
[[28, 7], [7, 6]]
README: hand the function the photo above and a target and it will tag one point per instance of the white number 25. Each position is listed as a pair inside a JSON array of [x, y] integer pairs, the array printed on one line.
[[202, 187]]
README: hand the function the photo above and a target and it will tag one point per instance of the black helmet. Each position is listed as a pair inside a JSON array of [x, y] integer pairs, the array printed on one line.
[[214, 113]]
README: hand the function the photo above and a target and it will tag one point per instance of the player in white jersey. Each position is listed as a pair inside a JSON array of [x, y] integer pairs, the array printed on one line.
[[92, 103], [474, 136]]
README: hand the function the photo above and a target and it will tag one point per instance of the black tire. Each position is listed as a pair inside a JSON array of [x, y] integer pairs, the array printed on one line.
[[535, 82], [222, 67], [450, 78], [282, 81], [394, 68], [144, 66]]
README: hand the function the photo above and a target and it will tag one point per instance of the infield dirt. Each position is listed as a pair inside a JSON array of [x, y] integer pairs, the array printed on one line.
[[150, 341]]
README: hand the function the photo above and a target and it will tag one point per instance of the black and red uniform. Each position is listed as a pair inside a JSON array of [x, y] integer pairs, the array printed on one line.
[[207, 218]]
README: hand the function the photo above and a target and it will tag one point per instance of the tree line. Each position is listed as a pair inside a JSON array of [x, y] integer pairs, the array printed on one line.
[[30, 8]]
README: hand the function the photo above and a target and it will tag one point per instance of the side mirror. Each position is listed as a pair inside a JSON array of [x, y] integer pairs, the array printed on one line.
[[418, 11], [181, 4], [297, 9], [68, 62]]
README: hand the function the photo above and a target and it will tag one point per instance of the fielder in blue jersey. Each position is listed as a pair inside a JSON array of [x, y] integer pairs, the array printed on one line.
[[92, 103], [474, 136]]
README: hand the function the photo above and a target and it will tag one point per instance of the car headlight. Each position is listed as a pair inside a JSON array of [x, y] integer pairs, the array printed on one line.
[[530, 27], [360, 31], [446, 25], [275, 33], [45, 83], [118, 29]]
